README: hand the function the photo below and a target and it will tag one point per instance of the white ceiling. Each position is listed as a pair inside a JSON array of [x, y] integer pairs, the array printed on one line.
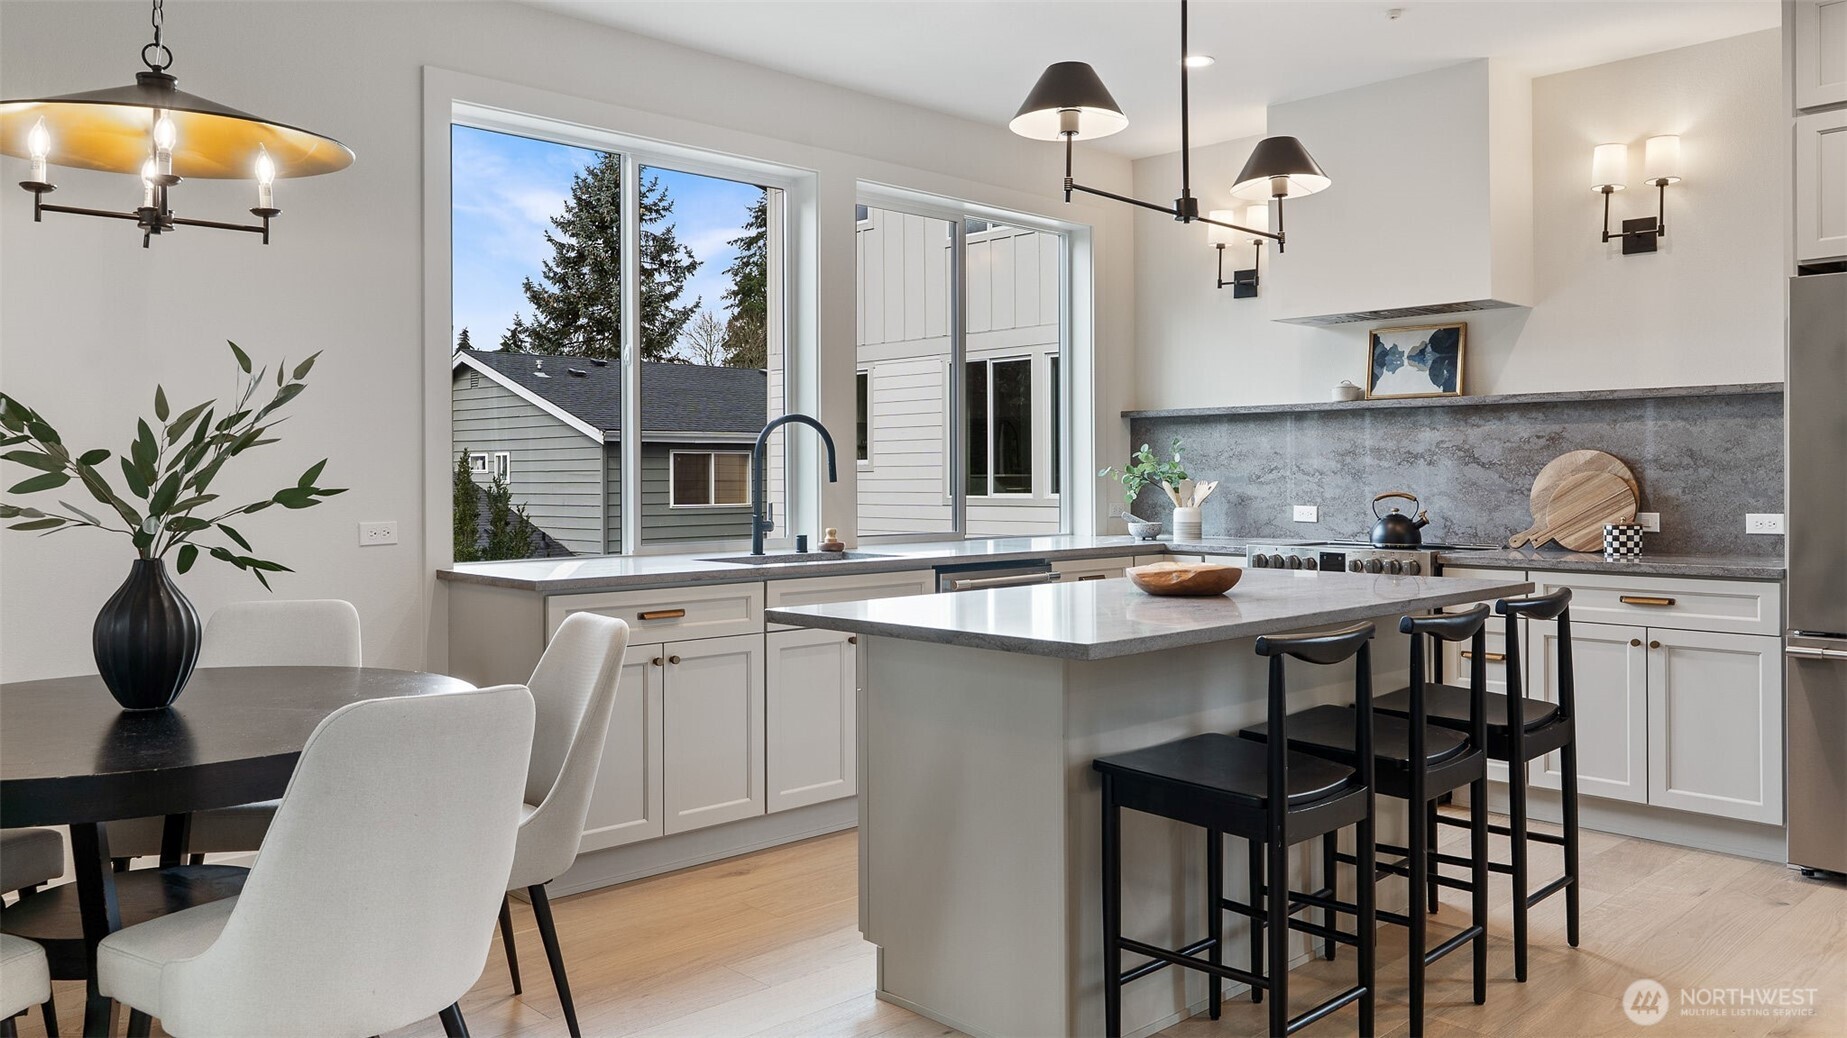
[[978, 59]]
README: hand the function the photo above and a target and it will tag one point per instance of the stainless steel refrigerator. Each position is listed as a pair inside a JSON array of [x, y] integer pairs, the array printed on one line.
[[1815, 646]]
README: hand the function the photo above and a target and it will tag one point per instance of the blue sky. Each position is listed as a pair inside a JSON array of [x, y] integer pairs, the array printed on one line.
[[507, 188]]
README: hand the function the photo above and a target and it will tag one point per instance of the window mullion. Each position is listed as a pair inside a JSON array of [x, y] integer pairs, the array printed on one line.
[[958, 360], [630, 248]]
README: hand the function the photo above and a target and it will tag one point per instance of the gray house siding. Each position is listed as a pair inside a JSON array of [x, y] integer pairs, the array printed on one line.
[[555, 471], [661, 522]]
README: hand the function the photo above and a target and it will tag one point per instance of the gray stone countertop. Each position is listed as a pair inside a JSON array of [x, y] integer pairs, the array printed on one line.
[[619, 572], [1104, 619], [1727, 567]]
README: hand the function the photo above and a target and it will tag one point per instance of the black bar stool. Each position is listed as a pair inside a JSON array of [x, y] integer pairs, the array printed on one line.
[[1520, 729], [1419, 763], [1274, 798]]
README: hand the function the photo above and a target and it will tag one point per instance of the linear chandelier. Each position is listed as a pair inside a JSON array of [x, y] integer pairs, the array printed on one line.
[[1070, 101], [162, 135]]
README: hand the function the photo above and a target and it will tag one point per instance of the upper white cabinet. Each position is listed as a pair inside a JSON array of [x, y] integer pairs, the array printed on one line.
[[1821, 185], [1820, 53]]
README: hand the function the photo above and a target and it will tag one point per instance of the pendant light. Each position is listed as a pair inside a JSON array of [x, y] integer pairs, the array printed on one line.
[[1070, 101], [161, 135]]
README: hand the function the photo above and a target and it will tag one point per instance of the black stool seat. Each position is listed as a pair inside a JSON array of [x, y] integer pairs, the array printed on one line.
[[1223, 765], [1447, 706], [1328, 731]]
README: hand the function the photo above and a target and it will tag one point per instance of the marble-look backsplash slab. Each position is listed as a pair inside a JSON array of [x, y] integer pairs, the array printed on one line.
[[1702, 462]]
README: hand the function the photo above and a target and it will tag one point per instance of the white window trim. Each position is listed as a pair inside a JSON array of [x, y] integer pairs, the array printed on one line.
[[503, 465], [480, 466], [711, 481]]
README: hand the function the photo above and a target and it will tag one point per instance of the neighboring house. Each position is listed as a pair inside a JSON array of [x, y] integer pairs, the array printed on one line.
[[551, 426], [1012, 305]]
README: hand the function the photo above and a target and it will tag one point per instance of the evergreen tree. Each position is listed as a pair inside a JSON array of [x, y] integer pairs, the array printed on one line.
[[509, 531], [747, 331], [516, 338], [467, 512], [576, 307], [463, 342]]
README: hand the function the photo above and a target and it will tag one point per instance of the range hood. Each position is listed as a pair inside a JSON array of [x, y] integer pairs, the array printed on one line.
[[1432, 209]]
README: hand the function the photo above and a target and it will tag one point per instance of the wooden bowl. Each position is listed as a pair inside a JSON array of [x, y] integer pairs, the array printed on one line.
[[1202, 579]]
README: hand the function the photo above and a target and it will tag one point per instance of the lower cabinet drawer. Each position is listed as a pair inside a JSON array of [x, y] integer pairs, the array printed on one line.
[[717, 611], [802, 591], [1679, 603], [1073, 570]]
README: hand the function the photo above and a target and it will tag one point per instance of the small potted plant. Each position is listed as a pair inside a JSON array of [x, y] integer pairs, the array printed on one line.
[[1146, 470], [146, 637]]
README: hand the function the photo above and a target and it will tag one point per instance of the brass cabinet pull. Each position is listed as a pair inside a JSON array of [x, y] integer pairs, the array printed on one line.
[[1645, 600], [1654, 645], [1491, 657], [1635, 643], [656, 661], [675, 660], [852, 639], [1091, 576], [661, 614]]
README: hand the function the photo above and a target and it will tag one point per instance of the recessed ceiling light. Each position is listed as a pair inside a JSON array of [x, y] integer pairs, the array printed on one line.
[[1198, 60]]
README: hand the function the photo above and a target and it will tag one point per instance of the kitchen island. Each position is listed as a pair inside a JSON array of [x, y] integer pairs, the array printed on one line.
[[980, 713]]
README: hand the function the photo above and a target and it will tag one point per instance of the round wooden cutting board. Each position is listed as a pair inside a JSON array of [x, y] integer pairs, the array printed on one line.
[[1559, 469], [1580, 507]]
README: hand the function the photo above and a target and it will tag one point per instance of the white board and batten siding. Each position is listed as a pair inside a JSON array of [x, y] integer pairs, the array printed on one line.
[[554, 470]]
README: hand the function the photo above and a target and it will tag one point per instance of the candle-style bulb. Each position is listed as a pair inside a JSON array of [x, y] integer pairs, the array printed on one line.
[[149, 170], [38, 145], [165, 136], [266, 179]]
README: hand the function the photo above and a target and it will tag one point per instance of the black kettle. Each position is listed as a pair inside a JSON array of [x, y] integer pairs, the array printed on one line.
[[1396, 529]]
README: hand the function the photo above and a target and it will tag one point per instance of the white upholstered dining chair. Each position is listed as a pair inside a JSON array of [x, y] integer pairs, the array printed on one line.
[[25, 981], [372, 905], [307, 633], [574, 693]]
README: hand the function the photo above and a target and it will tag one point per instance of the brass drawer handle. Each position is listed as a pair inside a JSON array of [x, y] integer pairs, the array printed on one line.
[[661, 614], [1091, 576], [1645, 600], [1491, 657]]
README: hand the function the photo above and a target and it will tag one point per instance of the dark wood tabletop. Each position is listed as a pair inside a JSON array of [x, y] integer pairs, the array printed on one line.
[[70, 754]]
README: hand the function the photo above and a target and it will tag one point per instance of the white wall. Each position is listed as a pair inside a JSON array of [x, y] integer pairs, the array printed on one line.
[[1706, 309], [89, 322]]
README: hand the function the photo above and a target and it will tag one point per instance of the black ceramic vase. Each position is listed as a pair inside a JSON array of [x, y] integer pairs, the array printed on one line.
[[146, 639]]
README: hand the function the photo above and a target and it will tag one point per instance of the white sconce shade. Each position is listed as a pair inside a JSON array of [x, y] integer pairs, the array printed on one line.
[[1216, 235], [1661, 159], [1257, 218], [1609, 167]]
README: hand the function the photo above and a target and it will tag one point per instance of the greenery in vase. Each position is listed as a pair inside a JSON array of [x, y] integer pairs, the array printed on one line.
[[1146, 470], [168, 472]]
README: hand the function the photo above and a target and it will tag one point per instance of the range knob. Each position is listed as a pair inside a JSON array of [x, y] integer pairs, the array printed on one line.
[[1414, 567], [1374, 565], [1394, 566], [1260, 561], [1354, 566], [1294, 562], [1310, 563], [1276, 562]]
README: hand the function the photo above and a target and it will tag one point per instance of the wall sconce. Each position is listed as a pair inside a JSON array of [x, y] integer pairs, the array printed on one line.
[[1609, 167], [1243, 282]]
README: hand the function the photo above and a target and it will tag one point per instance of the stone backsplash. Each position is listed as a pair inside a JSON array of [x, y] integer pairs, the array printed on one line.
[[1703, 460]]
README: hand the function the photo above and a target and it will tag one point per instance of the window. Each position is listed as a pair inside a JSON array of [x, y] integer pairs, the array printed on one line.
[[543, 217], [966, 417], [709, 480], [862, 405]]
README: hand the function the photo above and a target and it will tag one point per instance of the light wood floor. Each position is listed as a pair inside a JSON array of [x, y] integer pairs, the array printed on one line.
[[767, 945]]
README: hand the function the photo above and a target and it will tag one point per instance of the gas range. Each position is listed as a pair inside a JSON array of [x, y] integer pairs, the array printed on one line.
[[1350, 556]]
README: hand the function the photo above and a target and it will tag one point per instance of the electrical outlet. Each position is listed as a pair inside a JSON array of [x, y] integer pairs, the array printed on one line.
[[1307, 513], [1650, 521], [374, 534], [1763, 522]]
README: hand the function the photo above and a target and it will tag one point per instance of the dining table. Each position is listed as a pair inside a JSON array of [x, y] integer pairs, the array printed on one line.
[[70, 756]]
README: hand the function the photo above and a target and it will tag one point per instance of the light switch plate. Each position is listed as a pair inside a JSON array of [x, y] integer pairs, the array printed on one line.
[[1650, 521], [1763, 522], [1307, 513], [374, 534]]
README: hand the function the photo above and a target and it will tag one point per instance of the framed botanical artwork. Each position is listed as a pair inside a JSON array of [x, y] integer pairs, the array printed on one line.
[[1414, 362]]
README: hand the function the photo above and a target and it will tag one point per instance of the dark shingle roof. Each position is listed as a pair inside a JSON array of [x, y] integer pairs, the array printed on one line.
[[675, 398]]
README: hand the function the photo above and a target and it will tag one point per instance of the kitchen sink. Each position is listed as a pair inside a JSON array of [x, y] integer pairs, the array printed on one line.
[[800, 558]]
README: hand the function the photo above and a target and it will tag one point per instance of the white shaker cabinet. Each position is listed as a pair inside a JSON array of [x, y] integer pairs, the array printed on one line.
[[1821, 185], [626, 803], [712, 731], [1715, 724], [1820, 65], [1610, 672], [812, 702]]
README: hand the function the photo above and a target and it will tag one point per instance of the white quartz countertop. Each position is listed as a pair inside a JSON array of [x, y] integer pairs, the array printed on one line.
[[1104, 619], [615, 572]]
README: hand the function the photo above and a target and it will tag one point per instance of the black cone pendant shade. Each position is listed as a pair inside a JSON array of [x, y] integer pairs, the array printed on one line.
[[1274, 158], [1068, 86]]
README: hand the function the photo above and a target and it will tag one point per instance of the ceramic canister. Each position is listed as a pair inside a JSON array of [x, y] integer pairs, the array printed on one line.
[[1622, 541]]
